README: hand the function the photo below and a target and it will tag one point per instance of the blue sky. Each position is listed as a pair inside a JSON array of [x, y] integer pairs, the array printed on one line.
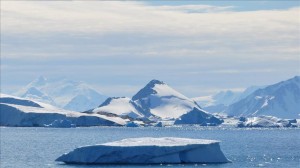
[[239, 5], [198, 47]]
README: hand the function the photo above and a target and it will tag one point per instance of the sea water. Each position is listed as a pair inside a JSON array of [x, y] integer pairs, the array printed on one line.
[[39, 147]]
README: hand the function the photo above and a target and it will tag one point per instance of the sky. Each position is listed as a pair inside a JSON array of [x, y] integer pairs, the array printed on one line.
[[197, 47]]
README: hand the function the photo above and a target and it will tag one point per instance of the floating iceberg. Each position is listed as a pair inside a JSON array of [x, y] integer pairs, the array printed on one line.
[[266, 121], [148, 150]]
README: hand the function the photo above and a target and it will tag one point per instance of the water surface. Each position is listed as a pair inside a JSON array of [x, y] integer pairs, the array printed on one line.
[[39, 147]]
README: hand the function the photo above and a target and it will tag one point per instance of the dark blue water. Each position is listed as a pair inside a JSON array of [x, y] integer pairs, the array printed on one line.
[[39, 147]]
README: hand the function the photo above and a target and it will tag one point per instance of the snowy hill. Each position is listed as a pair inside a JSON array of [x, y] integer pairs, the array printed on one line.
[[281, 100], [17, 111], [63, 93], [119, 106]]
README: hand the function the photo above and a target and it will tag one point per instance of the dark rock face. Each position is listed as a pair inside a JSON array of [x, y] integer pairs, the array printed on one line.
[[9, 100], [147, 90], [197, 116]]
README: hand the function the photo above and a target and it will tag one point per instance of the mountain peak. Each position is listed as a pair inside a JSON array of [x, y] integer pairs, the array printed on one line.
[[33, 91], [296, 78], [280, 99], [109, 99], [148, 89], [155, 81], [41, 80]]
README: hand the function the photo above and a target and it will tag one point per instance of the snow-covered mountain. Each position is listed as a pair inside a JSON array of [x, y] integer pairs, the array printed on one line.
[[155, 102], [162, 101], [223, 97], [35, 94], [16, 111], [220, 101], [64, 93], [281, 100], [159, 100]]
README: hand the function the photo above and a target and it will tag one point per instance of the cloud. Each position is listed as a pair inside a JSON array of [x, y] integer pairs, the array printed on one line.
[[109, 17], [132, 42], [135, 28], [197, 8]]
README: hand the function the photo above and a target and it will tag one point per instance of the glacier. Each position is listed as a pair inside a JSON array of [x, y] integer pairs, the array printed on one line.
[[148, 150], [16, 111]]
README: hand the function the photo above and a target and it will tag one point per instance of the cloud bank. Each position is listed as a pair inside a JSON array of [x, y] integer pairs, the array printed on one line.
[[133, 42]]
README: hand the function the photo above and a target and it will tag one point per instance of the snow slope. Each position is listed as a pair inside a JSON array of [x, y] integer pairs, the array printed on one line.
[[17, 111], [64, 93], [119, 106], [148, 150], [281, 100], [160, 100]]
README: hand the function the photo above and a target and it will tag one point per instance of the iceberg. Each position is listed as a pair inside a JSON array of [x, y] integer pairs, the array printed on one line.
[[148, 150], [266, 121]]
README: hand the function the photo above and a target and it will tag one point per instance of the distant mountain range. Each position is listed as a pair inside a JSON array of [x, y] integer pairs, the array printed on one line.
[[281, 100], [158, 101], [220, 101], [64, 93], [154, 103]]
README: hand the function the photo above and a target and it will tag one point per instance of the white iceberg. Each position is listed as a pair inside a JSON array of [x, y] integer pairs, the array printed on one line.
[[148, 150], [266, 121]]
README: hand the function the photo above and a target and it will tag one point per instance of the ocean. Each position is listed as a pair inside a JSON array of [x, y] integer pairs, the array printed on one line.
[[29, 147]]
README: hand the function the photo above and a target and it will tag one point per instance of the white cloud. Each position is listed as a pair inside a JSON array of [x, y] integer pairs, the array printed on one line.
[[184, 44], [197, 8], [215, 32], [105, 17]]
